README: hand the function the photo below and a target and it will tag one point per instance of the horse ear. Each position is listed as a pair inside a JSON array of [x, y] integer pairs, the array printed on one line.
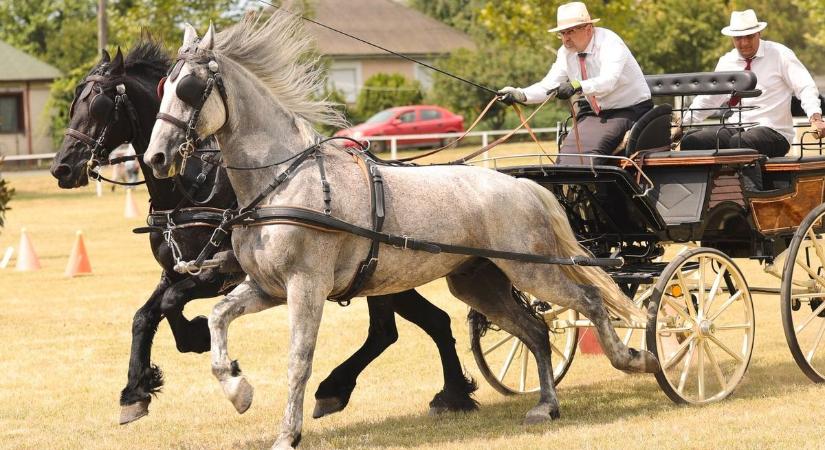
[[117, 63], [189, 35], [104, 57], [208, 41]]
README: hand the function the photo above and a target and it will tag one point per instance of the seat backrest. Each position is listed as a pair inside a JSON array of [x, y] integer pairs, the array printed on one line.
[[678, 84], [651, 131]]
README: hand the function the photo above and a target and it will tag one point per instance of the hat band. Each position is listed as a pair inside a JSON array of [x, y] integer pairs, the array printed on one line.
[[744, 29]]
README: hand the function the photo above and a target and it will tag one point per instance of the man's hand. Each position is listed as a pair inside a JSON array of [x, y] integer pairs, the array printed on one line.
[[676, 133], [819, 125], [510, 95], [569, 89]]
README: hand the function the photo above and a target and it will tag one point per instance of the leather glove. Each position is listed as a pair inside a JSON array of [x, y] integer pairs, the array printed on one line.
[[568, 89], [510, 95]]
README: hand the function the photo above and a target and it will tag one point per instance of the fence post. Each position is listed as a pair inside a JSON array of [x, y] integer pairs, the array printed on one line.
[[394, 149]]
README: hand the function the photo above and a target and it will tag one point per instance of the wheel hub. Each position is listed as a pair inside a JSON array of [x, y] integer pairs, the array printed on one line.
[[706, 328]]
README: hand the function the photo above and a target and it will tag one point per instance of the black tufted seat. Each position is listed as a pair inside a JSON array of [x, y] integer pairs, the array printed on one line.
[[701, 83], [651, 132]]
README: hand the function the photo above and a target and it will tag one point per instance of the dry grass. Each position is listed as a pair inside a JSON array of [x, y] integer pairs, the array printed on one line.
[[65, 346]]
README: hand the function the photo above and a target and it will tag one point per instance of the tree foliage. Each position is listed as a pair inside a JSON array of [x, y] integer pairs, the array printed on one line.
[[63, 33], [5, 196], [382, 91]]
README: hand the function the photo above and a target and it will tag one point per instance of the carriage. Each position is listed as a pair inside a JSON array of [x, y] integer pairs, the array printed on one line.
[[735, 203]]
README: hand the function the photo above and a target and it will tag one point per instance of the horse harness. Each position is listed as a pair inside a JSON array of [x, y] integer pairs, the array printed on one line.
[[105, 111], [255, 215]]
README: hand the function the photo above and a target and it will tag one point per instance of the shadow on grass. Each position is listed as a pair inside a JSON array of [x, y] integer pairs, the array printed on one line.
[[582, 405]]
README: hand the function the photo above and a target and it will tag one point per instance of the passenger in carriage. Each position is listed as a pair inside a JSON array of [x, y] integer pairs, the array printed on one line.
[[596, 63], [779, 75]]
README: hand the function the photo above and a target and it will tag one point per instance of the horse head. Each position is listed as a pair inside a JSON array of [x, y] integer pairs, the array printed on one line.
[[114, 104]]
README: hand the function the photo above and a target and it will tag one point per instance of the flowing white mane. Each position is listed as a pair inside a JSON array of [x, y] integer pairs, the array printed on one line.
[[281, 54]]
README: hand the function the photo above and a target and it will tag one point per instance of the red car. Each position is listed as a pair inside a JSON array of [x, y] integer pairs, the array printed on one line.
[[416, 119]]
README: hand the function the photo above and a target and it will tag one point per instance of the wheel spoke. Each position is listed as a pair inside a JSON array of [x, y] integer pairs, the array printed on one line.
[[524, 360], [686, 367], [627, 336], [715, 366], [555, 350], [686, 294], [811, 272], [736, 326], [498, 344], [817, 247], [679, 353], [702, 269], [675, 330], [810, 318], [714, 289], [727, 350], [725, 305], [817, 341], [700, 367], [678, 308], [509, 360]]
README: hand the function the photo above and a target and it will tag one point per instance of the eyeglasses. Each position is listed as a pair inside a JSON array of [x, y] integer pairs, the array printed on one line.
[[570, 31], [747, 38]]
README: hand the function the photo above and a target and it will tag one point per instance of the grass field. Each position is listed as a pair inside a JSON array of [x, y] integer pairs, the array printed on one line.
[[65, 347]]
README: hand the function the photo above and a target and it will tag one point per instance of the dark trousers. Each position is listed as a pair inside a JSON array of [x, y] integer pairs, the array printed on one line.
[[766, 141], [600, 134]]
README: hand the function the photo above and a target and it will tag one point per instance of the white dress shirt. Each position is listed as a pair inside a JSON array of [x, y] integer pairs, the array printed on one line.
[[779, 75], [613, 75]]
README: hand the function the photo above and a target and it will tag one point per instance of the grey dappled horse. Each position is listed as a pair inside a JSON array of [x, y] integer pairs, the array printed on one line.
[[266, 117]]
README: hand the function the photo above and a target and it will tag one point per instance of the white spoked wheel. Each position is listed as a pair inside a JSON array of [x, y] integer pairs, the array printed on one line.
[[507, 364], [803, 296], [701, 327]]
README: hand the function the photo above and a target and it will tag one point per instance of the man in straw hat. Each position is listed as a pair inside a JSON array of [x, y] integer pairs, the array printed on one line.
[[779, 75], [596, 63]]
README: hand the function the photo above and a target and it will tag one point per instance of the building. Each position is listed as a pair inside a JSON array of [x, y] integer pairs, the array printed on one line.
[[388, 24], [24, 90]]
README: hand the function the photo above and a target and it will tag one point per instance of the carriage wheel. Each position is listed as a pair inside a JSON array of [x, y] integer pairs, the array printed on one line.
[[803, 296], [701, 327], [507, 364]]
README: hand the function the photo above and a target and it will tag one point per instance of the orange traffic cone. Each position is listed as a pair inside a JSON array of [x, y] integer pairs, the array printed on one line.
[[26, 257], [78, 259], [131, 209], [589, 343]]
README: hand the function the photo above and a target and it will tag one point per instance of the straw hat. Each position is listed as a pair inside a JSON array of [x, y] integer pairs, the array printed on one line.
[[570, 15], [743, 23]]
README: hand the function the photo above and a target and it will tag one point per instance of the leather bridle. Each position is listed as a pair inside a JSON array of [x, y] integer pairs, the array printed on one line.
[[187, 91], [107, 111]]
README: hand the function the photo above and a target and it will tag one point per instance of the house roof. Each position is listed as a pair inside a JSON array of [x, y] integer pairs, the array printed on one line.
[[382, 22], [20, 66]]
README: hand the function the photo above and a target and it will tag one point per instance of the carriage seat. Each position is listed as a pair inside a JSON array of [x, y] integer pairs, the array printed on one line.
[[701, 83], [650, 133], [794, 163]]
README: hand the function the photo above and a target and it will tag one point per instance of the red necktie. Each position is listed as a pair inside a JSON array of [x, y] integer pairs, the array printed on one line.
[[734, 100], [590, 98]]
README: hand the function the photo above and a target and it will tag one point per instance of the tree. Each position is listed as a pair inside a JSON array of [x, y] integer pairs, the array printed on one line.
[[5, 195], [382, 91], [458, 14]]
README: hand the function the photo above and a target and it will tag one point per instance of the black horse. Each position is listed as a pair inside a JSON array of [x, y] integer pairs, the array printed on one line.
[[117, 103]]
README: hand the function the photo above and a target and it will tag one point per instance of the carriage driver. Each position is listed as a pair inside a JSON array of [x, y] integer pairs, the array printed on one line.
[[779, 75], [596, 63]]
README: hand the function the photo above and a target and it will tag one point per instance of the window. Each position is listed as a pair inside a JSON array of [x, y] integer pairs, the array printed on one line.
[[407, 117], [430, 114], [345, 77], [11, 113]]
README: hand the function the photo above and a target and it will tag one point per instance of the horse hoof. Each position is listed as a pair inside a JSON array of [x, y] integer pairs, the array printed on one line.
[[541, 414], [133, 412], [327, 406], [239, 392], [650, 362]]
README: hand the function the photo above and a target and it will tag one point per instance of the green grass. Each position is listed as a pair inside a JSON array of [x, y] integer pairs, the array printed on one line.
[[65, 346]]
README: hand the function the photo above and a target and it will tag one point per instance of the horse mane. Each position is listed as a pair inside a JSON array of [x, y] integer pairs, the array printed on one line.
[[282, 55], [148, 55]]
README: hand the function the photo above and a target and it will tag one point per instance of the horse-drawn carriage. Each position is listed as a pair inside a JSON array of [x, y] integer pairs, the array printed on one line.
[[734, 202]]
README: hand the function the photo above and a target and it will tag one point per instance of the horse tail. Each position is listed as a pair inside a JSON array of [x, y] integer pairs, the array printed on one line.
[[567, 245]]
